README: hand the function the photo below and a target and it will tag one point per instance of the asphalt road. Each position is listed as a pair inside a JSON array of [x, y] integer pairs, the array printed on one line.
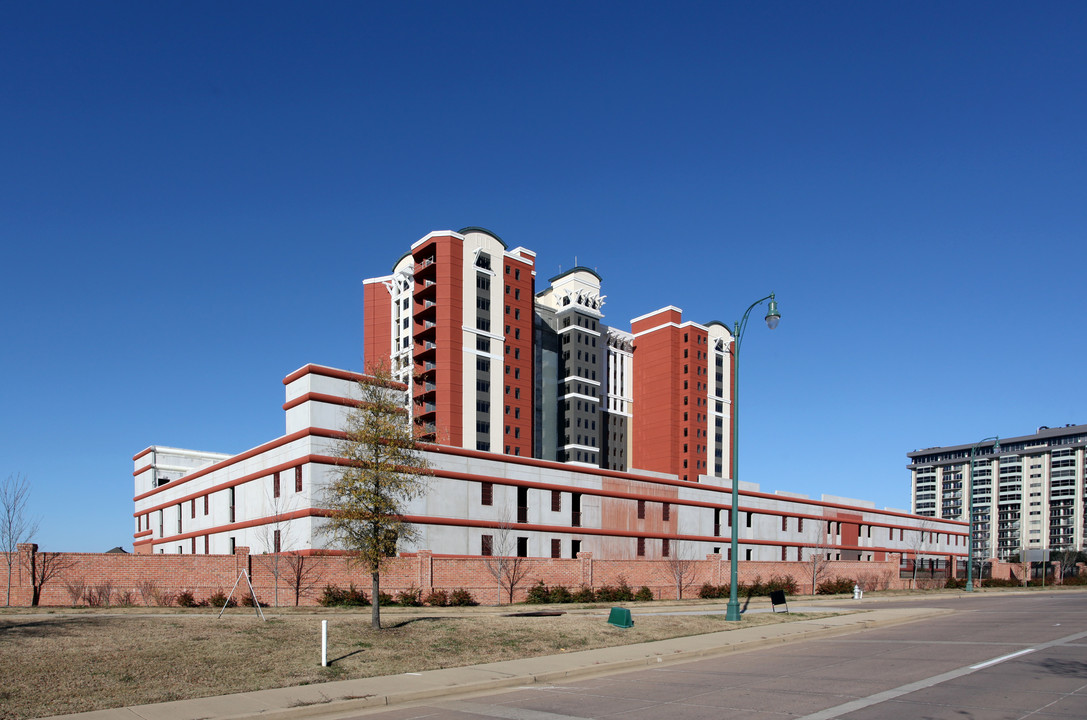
[[997, 657]]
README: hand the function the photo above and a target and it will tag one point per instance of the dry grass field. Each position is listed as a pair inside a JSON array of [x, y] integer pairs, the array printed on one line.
[[72, 661]]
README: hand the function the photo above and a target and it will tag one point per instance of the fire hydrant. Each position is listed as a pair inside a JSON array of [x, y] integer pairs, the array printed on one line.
[[857, 592]]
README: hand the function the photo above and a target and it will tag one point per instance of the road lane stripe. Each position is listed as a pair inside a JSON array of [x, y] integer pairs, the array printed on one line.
[[881, 697], [1000, 659]]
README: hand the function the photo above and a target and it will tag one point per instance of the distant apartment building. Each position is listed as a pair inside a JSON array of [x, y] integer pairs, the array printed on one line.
[[1028, 496]]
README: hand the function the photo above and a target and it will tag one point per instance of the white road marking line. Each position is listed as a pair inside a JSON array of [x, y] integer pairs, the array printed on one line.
[[860, 703], [1000, 659]]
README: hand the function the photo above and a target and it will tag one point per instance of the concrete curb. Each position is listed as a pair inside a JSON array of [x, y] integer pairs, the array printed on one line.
[[344, 697]]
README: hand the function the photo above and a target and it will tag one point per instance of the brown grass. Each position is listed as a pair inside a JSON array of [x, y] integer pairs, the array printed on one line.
[[64, 662]]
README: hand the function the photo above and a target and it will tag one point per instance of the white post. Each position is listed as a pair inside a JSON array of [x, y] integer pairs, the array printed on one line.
[[324, 643]]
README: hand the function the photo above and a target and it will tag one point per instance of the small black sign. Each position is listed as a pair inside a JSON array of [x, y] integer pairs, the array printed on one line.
[[777, 597]]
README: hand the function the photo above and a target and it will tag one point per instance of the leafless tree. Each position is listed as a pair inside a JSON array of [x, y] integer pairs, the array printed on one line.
[[16, 526], [504, 564], [919, 544], [681, 567], [301, 574], [818, 554], [43, 568], [75, 589], [277, 538]]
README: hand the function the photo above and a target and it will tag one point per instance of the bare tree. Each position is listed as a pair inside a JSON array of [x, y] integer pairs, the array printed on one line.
[[381, 470], [44, 567], [504, 563], [16, 526], [75, 589], [818, 550], [277, 538], [301, 574], [681, 567], [918, 546]]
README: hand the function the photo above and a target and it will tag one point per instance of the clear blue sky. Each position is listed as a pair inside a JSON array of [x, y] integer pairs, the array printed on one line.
[[192, 194]]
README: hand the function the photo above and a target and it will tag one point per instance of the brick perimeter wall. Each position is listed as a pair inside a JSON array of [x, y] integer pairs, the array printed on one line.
[[206, 574]]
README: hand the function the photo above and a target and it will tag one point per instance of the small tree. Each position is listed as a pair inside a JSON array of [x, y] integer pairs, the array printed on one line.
[[44, 567], [16, 527], [277, 538], [918, 545], [504, 564], [818, 549], [301, 574], [681, 568], [380, 471]]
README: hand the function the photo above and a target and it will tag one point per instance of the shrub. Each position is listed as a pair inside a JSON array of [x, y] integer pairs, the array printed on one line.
[[186, 599], [785, 583], [644, 594], [437, 598], [623, 593], [539, 593], [607, 594], [219, 598], [560, 594], [837, 586], [333, 596], [584, 594], [1080, 579], [412, 597], [250, 601], [384, 598], [955, 583], [461, 597], [709, 591], [76, 589], [1001, 582], [126, 598]]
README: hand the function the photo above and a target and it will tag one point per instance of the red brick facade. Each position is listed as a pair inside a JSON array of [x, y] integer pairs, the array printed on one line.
[[203, 575]]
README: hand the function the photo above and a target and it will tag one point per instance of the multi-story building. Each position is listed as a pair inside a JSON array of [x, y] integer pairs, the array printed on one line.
[[269, 499], [540, 374], [538, 420], [1029, 495]]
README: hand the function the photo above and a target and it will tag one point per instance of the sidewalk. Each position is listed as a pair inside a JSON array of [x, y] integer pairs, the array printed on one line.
[[348, 696]]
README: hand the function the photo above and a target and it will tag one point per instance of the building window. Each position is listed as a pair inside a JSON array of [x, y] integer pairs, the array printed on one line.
[[486, 545], [800, 524], [486, 493], [556, 503], [556, 548], [275, 485], [666, 548], [641, 509], [749, 516], [205, 504], [522, 547], [784, 525], [575, 548], [230, 545], [207, 544], [666, 512], [784, 553], [298, 479], [192, 510], [275, 541], [230, 498], [193, 545], [747, 554], [641, 547]]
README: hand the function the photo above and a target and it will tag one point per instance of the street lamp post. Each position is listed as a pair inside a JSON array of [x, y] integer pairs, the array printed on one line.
[[772, 318], [970, 512]]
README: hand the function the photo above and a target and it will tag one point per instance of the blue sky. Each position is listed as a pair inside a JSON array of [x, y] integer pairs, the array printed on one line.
[[192, 193]]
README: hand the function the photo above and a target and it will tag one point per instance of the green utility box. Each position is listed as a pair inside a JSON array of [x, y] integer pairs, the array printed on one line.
[[620, 617]]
